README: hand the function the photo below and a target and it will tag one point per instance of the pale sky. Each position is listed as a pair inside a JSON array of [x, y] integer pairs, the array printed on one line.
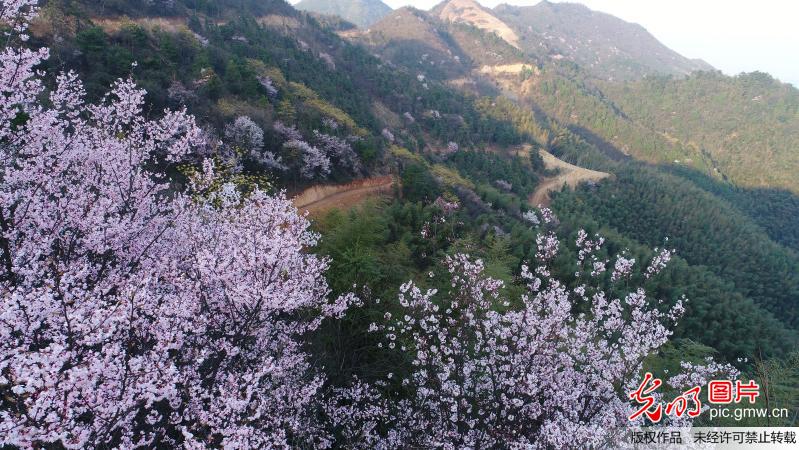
[[732, 35]]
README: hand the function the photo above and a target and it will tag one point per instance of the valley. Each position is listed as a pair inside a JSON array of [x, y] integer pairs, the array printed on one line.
[[334, 224]]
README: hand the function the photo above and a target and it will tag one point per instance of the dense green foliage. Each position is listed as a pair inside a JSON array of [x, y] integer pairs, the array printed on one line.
[[737, 260], [215, 69], [489, 168], [174, 8], [774, 210], [649, 206], [747, 126], [588, 113]]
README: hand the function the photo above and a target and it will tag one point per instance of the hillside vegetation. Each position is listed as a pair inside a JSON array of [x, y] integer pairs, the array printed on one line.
[[421, 148], [746, 127]]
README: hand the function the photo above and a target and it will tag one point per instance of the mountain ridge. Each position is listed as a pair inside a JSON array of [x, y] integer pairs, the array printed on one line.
[[604, 45], [362, 13], [473, 13], [448, 43]]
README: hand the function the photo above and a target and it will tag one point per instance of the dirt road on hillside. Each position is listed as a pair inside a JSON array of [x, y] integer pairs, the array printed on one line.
[[569, 174], [322, 198]]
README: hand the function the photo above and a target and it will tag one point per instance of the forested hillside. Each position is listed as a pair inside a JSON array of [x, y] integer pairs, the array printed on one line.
[[173, 8], [280, 68], [747, 126], [160, 289], [740, 129], [773, 209], [332, 112], [649, 207]]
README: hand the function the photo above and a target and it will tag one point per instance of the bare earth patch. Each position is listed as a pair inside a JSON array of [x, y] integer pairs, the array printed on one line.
[[322, 198], [471, 12], [279, 22], [569, 174], [507, 69], [170, 24]]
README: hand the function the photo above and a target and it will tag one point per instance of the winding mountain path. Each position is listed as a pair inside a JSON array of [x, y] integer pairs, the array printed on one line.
[[568, 174], [322, 198]]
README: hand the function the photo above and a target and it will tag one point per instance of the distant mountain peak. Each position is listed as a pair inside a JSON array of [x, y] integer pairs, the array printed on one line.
[[472, 13], [460, 4], [362, 13], [604, 45]]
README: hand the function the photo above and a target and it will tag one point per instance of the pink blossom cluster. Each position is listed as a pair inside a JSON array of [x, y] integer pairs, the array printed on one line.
[[659, 262], [131, 315], [446, 206], [623, 268], [489, 371], [289, 133], [315, 163], [548, 245], [330, 123], [586, 248], [452, 147], [244, 138], [319, 157], [531, 217], [504, 185], [547, 216], [268, 85], [245, 134], [339, 150]]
